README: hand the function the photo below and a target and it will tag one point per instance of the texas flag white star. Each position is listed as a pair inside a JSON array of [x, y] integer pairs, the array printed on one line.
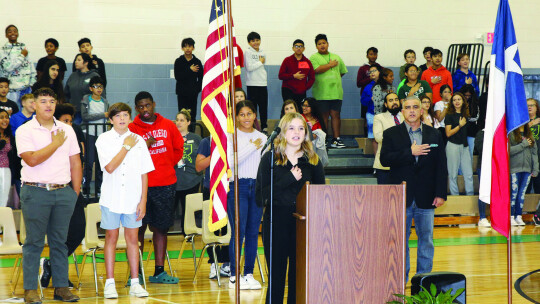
[[510, 65]]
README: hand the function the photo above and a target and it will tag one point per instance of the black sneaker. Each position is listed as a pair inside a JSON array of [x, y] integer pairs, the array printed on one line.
[[337, 143], [45, 275], [536, 220], [328, 142]]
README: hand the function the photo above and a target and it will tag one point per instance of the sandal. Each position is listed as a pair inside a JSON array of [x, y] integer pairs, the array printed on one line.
[[163, 278]]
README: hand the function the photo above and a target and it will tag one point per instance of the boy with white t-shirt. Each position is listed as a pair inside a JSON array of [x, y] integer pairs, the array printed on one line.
[[256, 77], [125, 160]]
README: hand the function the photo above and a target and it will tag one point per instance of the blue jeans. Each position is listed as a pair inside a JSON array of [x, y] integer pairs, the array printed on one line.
[[369, 119], [250, 221], [470, 143], [423, 221], [520, 181]]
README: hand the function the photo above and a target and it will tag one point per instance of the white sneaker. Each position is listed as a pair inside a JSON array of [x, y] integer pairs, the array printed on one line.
[[513, 221], [484, 223], [520, 221], [225, 271], [253, 284], [212, 275], [110, 292], [138, 291], [243, 283]]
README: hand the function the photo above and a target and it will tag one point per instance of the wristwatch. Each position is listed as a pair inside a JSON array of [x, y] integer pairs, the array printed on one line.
[[127, 147]]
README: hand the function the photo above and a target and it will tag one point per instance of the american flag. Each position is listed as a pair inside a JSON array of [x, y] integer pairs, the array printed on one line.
[[216, 109]]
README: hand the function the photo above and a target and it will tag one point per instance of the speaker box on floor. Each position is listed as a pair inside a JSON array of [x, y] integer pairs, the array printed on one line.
[[442, 280]]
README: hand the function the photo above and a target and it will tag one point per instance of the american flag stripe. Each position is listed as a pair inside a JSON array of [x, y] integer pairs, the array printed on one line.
[[215, 99]]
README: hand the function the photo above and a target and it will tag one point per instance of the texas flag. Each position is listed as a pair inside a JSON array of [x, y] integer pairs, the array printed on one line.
[[506, 111]]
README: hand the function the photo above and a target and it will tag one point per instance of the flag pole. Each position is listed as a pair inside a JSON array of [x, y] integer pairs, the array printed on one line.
[[509, 246], [230, 51], [509, 263]]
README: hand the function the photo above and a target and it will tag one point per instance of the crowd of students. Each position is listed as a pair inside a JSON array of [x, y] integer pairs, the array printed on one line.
[[171, 158]]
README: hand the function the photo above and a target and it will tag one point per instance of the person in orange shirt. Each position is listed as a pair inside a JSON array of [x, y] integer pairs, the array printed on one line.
[[437, 75]]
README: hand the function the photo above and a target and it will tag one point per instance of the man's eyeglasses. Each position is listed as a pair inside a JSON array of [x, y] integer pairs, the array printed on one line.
[[298, 46], [97, 86]]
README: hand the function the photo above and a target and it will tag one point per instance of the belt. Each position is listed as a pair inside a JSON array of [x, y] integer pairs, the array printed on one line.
[[49, 187]]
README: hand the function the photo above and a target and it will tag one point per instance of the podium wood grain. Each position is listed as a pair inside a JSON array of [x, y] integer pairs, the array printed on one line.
[[350, 247]]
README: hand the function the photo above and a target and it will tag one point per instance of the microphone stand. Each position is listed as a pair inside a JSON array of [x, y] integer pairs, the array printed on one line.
[[271, 219]]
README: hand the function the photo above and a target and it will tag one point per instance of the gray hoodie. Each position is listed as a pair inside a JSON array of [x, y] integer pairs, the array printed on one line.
[[78, 85], [523, 158]]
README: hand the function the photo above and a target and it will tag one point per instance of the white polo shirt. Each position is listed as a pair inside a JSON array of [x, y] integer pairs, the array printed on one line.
[[121, 190]]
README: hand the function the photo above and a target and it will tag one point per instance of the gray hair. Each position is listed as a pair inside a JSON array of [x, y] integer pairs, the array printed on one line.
[[413, 98]]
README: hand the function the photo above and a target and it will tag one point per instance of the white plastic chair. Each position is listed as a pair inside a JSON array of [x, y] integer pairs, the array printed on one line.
[[211, 240], [10, 244], [194, 203]]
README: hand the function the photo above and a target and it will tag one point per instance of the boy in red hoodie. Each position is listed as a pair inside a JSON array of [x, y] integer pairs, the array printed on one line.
[[437, 75], [297, 74], [166, 145]]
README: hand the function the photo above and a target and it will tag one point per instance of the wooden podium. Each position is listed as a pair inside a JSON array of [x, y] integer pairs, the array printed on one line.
[[350, 243]]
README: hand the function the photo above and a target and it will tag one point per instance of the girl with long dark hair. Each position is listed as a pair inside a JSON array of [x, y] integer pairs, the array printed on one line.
[[8, 158], [250, 143], [77, 84], [50, 79], [457, 153]]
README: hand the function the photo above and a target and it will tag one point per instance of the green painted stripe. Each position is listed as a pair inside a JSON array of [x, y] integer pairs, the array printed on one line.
[[121, 257], [482, 240]]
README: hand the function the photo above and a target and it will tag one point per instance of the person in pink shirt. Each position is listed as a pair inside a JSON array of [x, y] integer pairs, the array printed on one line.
[[50, 162]]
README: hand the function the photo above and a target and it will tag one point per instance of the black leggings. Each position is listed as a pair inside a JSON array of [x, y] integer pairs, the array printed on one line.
[[283, 249], [259, 97]]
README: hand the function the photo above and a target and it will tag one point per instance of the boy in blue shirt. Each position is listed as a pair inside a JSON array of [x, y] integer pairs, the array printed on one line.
[[463, 75], [27, 112]]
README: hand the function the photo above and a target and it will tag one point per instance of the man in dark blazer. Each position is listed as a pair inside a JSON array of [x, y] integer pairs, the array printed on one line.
[[415, 154]]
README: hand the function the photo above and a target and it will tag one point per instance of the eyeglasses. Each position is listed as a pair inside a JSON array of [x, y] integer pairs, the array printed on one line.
[[298, 46], [97, 86], [306, 106], [427, 101], [412, 72]]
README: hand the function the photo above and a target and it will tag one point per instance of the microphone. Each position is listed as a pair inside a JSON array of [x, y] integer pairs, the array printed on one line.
[[273, 136]]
